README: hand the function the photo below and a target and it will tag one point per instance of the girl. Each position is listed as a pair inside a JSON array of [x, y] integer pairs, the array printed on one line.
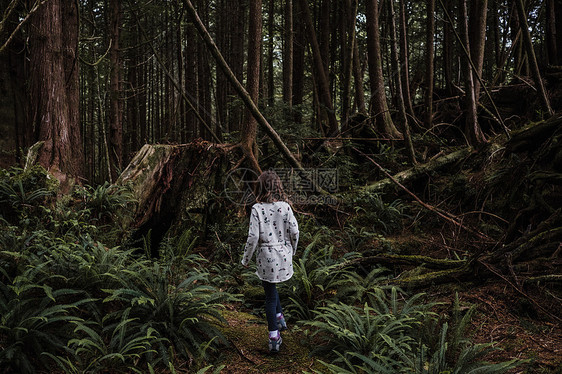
[[273, 235]]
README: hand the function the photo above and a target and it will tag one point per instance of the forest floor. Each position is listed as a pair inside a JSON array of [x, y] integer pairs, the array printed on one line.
[[500, 318], [248, 353], [503, 316]]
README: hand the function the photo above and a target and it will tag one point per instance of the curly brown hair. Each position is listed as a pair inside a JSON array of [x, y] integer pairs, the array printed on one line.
[[269, 188]]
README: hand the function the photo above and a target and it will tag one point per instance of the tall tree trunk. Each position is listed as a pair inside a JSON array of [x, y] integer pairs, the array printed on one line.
[[191, 84], [298, 61], [472, 130], [142, 94], [558, 30], [378, 96], [204, 81], [347, 42], [527, 41], [358, 79], [270, 54], [321, 78], [514, 26], [429, 73], [551, 36], [404, 60], [399, 93], [288, 55], [54, 89], [115, 112], [238, 39], [250, 129], [324, 33], [448, 50], [477, 35], [132, 105]]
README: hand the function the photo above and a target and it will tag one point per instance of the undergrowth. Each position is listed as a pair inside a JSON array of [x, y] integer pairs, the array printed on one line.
[[76, 297]]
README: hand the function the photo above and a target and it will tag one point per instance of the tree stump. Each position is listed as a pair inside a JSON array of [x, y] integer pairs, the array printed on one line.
[[173, 186]]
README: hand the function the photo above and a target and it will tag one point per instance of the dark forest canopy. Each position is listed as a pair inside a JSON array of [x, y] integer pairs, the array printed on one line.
[[119, 74]]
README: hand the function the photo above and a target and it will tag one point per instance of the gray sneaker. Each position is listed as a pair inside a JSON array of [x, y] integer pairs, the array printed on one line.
[[281, 324], [275, 344]]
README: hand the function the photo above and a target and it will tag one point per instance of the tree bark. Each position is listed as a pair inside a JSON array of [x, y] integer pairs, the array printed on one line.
[[448, 51], [54, 89], [204, 84], [348, 43], [358, 80], [550, 33], [378, 96], [270, 93], [299, 46]]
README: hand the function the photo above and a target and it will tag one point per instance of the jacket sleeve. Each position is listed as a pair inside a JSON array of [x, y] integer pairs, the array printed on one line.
[[253, 237], [293, 230]]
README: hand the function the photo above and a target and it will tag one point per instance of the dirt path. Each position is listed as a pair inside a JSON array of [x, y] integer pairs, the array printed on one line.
[[249, 351]]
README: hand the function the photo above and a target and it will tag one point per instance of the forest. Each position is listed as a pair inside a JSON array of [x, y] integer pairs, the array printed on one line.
[[419, 144]]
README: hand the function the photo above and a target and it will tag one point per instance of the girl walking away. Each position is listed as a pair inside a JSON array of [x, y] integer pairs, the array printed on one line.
[[273, 236]]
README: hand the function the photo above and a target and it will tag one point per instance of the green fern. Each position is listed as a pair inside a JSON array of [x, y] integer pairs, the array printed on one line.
[[318, 275], [185, 315], [35, 319]]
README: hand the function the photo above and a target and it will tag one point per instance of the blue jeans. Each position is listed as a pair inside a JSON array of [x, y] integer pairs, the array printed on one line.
[[272, 305]]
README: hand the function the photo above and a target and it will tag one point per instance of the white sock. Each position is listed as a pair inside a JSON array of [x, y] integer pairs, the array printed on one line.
[[274, 334]]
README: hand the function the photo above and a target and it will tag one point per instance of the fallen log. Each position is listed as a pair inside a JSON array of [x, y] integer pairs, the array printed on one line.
[[432, 278], [418, 171], [555, 278], [533, 136], [417, 260]]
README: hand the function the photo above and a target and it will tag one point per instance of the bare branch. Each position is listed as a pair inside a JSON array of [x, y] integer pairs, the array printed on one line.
[[18, 27]]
